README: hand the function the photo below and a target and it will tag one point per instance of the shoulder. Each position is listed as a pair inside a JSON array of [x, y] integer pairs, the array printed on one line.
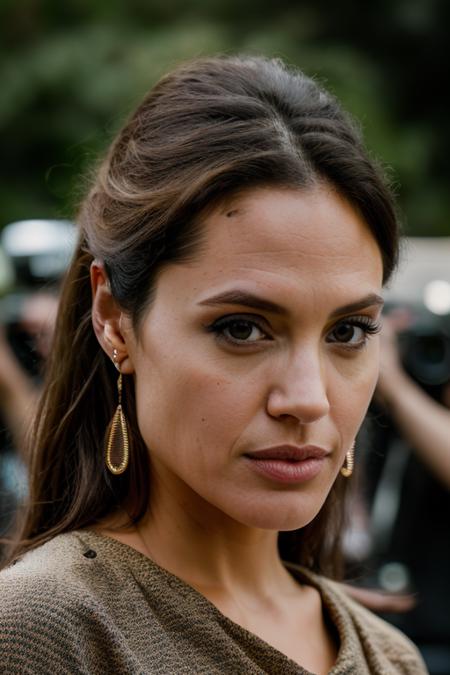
[[49, 607], [366, 640], [380, 641], [62, 565]]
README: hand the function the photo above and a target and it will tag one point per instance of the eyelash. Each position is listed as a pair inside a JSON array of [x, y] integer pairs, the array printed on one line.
[[365, 323], [218, 327]]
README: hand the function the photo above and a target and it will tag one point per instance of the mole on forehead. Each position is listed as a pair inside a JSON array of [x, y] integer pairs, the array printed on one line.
[[233, 207], [233, 212], [244, 201], [239, 203]]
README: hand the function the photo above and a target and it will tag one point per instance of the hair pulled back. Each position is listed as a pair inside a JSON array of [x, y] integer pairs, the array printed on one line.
[[210, 128]]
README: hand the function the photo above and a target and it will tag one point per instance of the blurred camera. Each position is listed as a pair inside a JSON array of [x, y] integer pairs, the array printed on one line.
[[34, 256], [425, 350]]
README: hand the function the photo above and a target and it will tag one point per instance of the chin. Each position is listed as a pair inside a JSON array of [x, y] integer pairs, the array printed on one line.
[[288, 514]]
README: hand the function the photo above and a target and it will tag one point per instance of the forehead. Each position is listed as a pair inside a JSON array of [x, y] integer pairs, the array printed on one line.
[[312, 229], [293, 246]]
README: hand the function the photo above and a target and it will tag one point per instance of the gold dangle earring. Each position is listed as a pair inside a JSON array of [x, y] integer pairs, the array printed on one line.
[[117, 447], [349, 463]]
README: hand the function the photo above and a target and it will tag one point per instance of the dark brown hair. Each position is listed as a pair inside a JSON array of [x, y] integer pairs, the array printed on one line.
[[208, 129]]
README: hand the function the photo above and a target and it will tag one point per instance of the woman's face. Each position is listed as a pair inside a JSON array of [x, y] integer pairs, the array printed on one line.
[[259, 349]]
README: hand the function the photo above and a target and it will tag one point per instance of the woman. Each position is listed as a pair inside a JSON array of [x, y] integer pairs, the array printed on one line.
[[235, 240]]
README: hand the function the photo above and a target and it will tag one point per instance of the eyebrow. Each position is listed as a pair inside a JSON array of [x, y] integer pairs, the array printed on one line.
[[245, 299], [370, 300]]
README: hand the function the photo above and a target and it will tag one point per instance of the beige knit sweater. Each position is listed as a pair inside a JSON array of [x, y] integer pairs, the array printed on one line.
[[84, 603]]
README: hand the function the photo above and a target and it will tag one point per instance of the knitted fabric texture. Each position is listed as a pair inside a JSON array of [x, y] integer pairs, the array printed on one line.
[[85, 603]]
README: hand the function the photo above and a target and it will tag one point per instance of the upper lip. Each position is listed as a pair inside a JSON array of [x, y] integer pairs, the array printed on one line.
[[292, 452]]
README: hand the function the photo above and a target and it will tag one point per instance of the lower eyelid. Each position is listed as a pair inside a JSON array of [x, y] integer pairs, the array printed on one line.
[[348, 348], [368, 330]]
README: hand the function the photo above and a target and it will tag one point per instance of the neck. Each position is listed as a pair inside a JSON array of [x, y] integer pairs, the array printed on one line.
[[207, 549]]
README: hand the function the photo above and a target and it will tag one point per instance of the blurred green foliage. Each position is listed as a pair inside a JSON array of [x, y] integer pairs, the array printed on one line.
[[71, 71]]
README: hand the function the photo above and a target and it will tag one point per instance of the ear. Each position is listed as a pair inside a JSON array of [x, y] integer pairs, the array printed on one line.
[[111, 325]]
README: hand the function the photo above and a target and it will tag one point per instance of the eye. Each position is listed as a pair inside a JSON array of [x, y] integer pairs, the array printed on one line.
[[238, 330], [354, 332]]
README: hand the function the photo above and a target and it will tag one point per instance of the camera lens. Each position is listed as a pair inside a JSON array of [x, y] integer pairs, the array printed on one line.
[[426, 355]]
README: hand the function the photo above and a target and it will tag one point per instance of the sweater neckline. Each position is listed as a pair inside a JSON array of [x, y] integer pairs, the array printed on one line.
[[143, 569]]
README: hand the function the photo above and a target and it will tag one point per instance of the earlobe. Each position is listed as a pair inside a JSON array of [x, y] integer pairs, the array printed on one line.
[[107, 318]]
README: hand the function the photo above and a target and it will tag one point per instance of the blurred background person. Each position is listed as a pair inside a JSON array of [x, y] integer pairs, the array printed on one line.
[[410, 515], [36, 253], [422, 419], [18, 390], [402, 505]]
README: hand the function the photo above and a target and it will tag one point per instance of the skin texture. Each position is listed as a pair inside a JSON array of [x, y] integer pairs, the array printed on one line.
[[301, 377]]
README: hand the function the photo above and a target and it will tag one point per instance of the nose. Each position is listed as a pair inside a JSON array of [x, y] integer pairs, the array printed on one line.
[[299, 388]]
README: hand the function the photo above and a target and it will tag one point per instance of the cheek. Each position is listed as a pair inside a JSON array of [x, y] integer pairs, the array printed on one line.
[[354, 387], [373, 365], [187, 408]]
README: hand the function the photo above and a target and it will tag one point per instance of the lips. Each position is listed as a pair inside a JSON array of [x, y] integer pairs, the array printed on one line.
[[291, 453], [288, 463]]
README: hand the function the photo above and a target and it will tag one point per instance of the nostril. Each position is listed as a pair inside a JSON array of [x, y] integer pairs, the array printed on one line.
[[302, 405]]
